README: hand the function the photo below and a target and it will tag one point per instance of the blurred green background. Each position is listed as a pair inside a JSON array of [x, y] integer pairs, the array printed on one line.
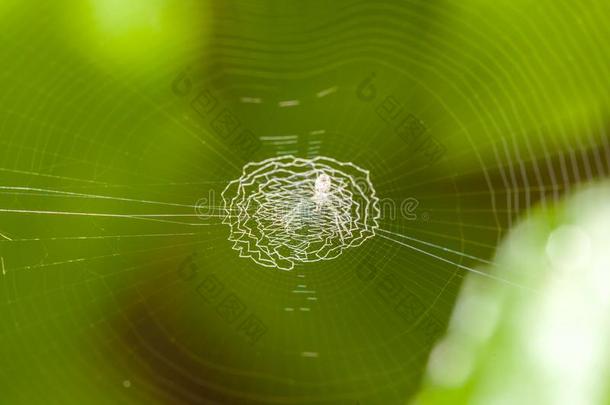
[[118, 118]]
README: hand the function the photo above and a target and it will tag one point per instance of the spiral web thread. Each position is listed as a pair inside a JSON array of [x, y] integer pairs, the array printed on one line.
[[289, 210]]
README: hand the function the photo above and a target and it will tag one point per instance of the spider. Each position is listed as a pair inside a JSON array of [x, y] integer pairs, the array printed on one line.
[[321, 190], [322, 198]]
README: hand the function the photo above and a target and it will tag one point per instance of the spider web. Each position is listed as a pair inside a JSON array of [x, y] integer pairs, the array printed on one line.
[[277, 218], [101, 174]]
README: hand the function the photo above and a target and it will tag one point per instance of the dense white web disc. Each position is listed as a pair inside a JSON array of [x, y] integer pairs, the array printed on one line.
[[287, 210]]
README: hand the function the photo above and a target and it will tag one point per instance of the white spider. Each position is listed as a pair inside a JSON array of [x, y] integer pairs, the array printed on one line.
[[322, 188]]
